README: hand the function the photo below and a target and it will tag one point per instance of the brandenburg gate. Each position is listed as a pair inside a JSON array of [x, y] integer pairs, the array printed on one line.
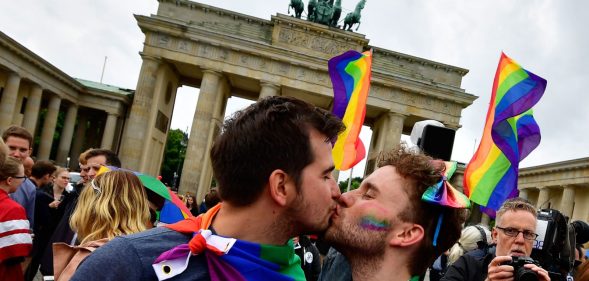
[[225, 53]]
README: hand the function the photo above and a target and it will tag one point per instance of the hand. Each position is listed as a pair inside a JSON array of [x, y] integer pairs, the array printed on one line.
[[54, 204], [496, 271], [542, 273]]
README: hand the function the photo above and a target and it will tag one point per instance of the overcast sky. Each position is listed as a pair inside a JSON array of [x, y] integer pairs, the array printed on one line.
[[549, 38]]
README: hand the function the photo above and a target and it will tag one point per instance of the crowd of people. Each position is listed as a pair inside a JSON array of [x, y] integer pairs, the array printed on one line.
[[268, 221]]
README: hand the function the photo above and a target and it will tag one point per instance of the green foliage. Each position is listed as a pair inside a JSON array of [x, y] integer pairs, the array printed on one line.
[[174, 155], [343, 185]]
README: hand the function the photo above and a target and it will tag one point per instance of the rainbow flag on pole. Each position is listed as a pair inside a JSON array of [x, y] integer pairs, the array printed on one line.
[[510, 134], [350, 75]]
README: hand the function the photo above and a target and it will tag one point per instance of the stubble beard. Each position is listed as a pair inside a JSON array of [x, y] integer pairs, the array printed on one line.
[[351, 239]]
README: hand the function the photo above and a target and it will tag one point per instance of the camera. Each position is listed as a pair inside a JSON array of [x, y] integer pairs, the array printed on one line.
[[555, 247], [520, 273]]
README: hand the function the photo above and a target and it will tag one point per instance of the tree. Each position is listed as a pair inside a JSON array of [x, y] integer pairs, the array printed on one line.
[[343, 185], [174, 155]]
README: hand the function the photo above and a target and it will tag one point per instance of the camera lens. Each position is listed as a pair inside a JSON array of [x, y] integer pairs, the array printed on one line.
[[524, 274]]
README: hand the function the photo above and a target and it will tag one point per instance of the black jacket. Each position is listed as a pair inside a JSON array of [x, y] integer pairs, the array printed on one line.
[[468, 268]]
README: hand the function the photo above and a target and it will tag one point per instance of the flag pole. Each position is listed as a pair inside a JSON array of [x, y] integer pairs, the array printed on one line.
[[350, 179]]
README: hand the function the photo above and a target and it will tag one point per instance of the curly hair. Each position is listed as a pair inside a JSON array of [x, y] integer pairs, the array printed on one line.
[[420, 172], [114, 203]]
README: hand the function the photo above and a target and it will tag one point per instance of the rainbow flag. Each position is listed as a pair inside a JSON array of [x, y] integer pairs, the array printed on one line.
[[510, 134], [228, 259], [350, 75]]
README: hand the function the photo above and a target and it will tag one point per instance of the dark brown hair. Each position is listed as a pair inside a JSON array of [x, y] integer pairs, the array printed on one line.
[[420, 172], [111, 158], [270, 134], [18, 132], [42, 168]]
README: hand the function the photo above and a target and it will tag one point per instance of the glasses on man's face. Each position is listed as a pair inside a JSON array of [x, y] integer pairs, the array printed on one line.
[[20, 177], [512, 232]]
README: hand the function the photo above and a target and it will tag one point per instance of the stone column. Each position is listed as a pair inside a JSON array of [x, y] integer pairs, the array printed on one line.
[[523, 193], [65, 141], [568, 200], [32, 108], [386, 134], [49, 128], [394, 130], [109, 131], [196, 150], [8, 102], [268, 90], [135, 129], [543, 197], [78, 140]]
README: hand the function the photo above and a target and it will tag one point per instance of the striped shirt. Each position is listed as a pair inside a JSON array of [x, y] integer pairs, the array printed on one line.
[[15, 237]]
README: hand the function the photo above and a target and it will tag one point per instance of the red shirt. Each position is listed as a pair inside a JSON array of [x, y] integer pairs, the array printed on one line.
[[15, 237]]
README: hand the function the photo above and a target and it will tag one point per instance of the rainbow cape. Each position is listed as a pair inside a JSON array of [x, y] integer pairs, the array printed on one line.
[[228, 259], [510, 134], [350, 75], [173, 209]]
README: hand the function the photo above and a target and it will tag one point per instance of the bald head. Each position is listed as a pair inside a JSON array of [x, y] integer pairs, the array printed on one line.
[[28, 164]]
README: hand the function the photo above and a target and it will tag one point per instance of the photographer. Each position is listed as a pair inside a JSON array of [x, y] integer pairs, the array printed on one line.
[[514, 235]]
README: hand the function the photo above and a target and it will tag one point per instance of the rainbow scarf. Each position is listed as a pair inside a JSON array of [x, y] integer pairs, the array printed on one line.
[[350, 75], [510, 134], [228, 259]]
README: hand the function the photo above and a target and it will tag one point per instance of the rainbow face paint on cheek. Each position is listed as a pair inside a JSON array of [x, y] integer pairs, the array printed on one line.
[[374, 224]]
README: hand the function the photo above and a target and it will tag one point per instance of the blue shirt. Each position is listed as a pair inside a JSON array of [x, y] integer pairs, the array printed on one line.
[[25, 196], [335, 267], [131, 257]]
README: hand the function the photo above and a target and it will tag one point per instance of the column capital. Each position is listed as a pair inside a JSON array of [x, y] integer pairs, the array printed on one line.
[[264, 83], [13, 74], [146, 57], [568, 186], [110, 113], [212, 72], [397, 114]]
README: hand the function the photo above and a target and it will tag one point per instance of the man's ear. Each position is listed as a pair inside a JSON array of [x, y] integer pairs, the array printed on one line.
[[494, 235], [277, 186], [407, 235]]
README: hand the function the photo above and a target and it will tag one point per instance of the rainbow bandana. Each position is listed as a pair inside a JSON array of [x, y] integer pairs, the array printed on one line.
[[228, 259]]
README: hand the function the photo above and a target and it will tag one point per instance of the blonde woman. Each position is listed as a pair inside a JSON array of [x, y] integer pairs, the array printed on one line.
[[472, 238], [114, 203]]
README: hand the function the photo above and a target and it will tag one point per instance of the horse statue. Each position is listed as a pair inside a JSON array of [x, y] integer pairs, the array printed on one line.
[[337, 12], [311, 10], [298, 7], [354, 17], [323, 12]]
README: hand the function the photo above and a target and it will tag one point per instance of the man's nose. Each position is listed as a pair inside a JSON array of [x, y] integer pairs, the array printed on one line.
[[335, 192], [520, 238], [346, 199]]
